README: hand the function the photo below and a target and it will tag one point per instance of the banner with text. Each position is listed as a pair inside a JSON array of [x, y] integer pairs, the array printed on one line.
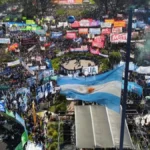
[[118, 38]]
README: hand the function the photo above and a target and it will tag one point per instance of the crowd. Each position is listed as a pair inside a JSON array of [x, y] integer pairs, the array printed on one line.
[[22, 79]]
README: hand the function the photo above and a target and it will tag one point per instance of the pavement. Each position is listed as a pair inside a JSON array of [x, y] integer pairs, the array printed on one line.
[[71, 65]]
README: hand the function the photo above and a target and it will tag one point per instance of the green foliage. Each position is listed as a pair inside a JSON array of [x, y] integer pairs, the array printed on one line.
[[55, 63], [105, 52], [114, 57], [53, 146]]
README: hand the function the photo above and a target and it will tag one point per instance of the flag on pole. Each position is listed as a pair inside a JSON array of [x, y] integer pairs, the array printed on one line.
[[104, 89]]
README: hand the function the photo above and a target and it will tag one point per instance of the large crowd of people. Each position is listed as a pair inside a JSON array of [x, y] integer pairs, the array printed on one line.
[[32, 51]]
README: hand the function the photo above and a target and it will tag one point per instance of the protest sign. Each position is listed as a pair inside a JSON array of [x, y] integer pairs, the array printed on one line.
[[118, 38]]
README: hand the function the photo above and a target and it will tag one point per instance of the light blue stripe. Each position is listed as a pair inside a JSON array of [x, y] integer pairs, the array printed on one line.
[[113, 75], [109, 100]]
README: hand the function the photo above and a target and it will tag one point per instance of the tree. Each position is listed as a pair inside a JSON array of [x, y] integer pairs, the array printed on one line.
[[114, 58], [112, 5]]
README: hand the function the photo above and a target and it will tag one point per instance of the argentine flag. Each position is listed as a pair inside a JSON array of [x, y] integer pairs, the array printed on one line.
[[104, 89]]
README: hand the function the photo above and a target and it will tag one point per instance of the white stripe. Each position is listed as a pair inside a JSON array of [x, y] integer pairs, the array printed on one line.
[[113, 87]]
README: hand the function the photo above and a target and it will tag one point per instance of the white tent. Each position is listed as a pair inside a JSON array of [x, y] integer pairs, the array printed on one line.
[[99, 127]]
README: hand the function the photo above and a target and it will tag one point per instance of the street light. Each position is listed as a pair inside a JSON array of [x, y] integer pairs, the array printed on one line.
[[126, 78]]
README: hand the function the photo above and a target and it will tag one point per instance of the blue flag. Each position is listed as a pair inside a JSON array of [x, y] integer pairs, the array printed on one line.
[[2, 106], [49, 64]]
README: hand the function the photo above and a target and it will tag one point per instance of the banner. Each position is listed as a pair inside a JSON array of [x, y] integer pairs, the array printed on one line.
[[109, 21], [83, 30], [31, 22], [42, 39], [70, 1], [98, 44], [117, 30], [71, 35], [106, 31], [100, 38], [56, 35], [94, 23], [119, 24], [95, 31], [4, 40], [80, 49], [94, 51], [34, 68], [84, 23], [92, 70], [75, 24], [27, 68], [106, 25], [29, 41], [13, 63], [47, 73], [118, 38], [78, 1], [31, 48], [44, 90]]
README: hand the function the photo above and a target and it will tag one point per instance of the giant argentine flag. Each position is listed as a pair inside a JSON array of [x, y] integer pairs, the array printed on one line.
[[105, 89]]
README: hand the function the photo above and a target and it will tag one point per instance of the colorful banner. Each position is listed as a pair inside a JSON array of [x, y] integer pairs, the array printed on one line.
[[100, 38], [84, 23], [106, 25], [71, 35], [119, 24], [118, 38], [95, 31], [98, 44], [109, 21], [56, 35], [117, 30], [94, 23], [76, 24], [94, 51], [83, 30], [4, 40], [78, 1], [81, 49], [44, 90], [106, 31]]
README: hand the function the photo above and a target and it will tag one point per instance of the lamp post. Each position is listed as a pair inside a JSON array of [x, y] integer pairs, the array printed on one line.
[[126, 79]]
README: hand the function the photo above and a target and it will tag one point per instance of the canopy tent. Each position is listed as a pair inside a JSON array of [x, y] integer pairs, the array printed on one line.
[[98, 127]]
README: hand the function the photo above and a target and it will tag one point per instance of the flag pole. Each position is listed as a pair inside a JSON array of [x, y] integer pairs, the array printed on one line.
[[126, 79]]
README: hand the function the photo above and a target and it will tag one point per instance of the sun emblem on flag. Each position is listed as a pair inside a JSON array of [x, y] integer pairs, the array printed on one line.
[[90, 90]]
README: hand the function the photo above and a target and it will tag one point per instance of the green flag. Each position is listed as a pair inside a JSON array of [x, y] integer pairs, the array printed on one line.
[[24, 138], [10, 113], [19, 147]]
